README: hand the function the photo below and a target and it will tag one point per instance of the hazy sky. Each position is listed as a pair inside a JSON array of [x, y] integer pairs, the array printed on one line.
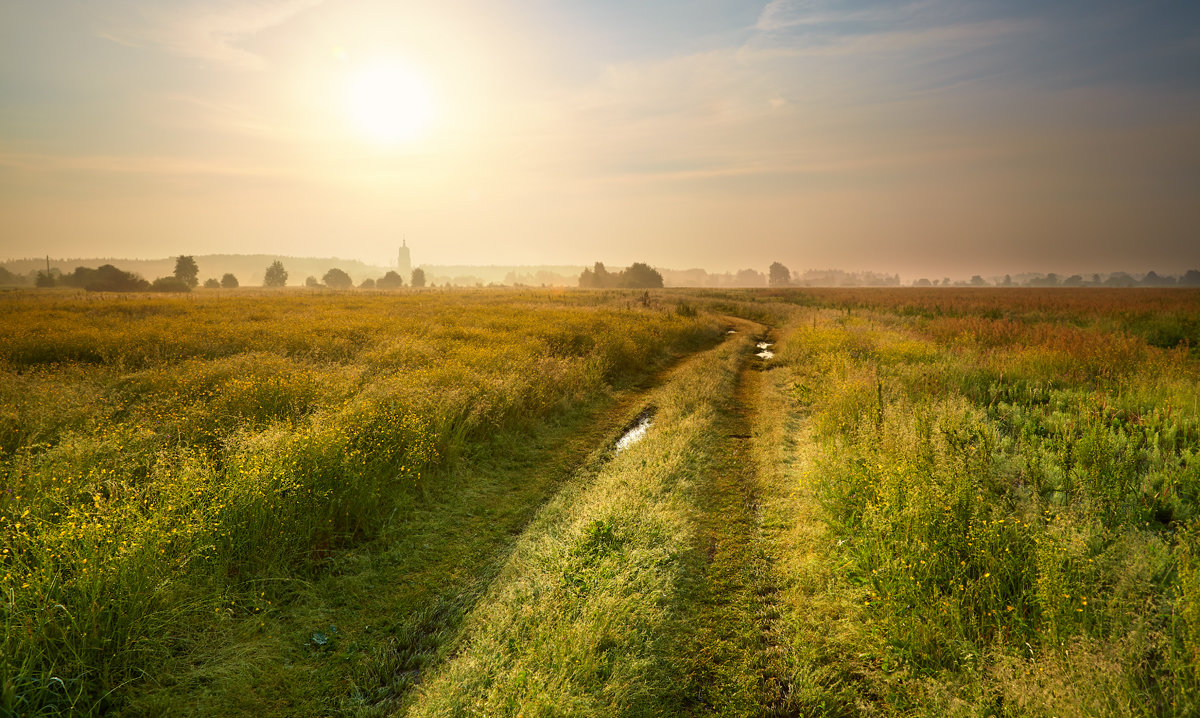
[[928, 137]]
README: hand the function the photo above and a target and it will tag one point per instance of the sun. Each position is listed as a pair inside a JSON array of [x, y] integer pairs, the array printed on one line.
[[389, 104]]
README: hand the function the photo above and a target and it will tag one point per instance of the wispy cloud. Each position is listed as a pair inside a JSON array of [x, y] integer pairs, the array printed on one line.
[[215, 32], [808, 27]]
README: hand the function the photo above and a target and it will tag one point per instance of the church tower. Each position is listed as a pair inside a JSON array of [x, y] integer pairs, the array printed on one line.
[[404, 262]]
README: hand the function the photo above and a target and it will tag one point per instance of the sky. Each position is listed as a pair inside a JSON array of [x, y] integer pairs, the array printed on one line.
[[926, 138]]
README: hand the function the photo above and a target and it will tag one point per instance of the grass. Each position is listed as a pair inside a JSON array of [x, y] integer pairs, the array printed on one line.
[[1011, 504], [394, 600], [928, 503], [167, 462], [592, 613]]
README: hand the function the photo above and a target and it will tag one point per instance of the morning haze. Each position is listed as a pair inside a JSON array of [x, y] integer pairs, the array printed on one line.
[[925, 139]]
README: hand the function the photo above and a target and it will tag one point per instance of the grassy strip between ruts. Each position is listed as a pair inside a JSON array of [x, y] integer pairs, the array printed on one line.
[[590, 616]]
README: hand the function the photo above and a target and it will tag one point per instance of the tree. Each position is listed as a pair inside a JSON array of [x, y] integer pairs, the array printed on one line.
[[1191, 278], [978, 281], [229, 281], [367, 283], [1153, 279], [598, 277], [311, 282], [603, 277], [391, 280], [44, 279], [641, 276], [211, 283], [7, 277], [186, 270], [418, 277], [778, 275], [337, 279], [749, 278], [276, 275]]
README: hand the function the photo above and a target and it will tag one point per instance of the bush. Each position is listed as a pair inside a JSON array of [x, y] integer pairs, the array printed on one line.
[[170, 284], [106, 278], [229, 281], [211, 283]]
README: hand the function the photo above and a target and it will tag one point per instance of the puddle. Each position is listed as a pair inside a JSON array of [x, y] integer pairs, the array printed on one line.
[[766, 352], [731, 331], [636, 431], [634, 435]]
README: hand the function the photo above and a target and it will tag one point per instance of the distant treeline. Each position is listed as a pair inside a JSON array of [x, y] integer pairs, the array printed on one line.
[[105, 278], [185, 277], [778, 275], [636, 276], [235, 270], [248, 268], [1190, 278]]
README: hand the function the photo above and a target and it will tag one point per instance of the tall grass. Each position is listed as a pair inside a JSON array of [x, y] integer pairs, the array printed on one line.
[[160, 458], [1017, 498]]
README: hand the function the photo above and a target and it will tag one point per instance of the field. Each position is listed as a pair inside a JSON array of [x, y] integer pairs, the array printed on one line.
[[927, 502]]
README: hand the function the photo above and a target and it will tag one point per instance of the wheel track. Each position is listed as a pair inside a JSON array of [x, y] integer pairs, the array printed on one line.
[[735, 661], [424, 624]]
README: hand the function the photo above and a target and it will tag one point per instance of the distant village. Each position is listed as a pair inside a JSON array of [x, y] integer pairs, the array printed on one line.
[[216, 271]]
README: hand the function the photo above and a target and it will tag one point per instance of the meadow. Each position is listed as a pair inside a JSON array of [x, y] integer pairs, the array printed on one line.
[[166, 461], [927, 502]]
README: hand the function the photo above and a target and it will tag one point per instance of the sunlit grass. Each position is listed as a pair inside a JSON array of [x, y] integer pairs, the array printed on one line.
[[1013, 499], [161, 456]]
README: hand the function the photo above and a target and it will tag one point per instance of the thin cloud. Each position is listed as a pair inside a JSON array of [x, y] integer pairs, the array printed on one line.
[[213, 32], [780, 15]]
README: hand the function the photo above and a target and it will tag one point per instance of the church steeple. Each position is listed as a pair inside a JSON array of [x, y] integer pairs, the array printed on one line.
[[404, 260]]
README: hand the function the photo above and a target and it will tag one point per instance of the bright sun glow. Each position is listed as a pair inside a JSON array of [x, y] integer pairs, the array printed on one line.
[[390, 104]]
